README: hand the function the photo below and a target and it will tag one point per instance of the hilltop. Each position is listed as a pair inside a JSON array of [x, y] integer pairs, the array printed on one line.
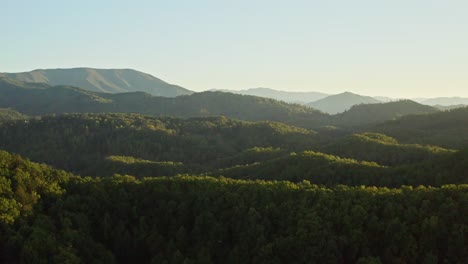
[[446, 129], [338, 103], [101, 80], [363, 114]]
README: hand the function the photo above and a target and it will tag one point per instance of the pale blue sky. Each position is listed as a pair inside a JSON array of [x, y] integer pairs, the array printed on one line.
[[400, 48]]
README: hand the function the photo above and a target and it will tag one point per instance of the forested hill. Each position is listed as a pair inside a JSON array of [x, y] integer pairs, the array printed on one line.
[[363, 114], [101, 80], [383, 149], [104, 144], [447, 129], [49, 216], [9, 114]]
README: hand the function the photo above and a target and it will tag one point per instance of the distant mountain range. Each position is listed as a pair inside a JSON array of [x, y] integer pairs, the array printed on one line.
[[30, 100], [338, 103], [449, 107], [101, 80], [446, 101], [290, 97], [67, 99], [128, 80]]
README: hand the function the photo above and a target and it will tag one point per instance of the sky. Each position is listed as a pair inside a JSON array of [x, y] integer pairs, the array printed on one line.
[[397, 48]]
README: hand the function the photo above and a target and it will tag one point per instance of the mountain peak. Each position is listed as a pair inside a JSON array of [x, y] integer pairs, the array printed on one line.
[[101, 80]]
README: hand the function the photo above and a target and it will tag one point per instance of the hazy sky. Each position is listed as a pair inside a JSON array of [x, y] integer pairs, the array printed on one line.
[[374, 47]]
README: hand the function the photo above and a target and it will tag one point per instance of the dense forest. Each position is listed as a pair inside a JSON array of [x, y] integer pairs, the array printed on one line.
[[216, 177], [108, 144], [82, 142], [49, 216], [447, 129]]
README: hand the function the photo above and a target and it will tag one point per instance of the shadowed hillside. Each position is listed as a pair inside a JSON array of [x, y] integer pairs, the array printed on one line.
[[363, 114], [383, 150], [103, 144], [447, 129]]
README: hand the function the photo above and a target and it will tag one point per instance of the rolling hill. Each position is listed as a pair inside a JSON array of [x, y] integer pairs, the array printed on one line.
[[101, 80], [103, 144], [383, 150], [338, 103], [50, 216], [67, 99], [447, 129], [363, 114], [39, 99], [316, 167], [9, 114]]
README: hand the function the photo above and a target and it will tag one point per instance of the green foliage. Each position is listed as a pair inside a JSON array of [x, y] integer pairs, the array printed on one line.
[[21, 185], [316, 167], [446, 129], [139, 167], [363, 114], [296, 211], [251, 155], [83, 143], [108, 144], [9, 114], [188, 219], [383, 150], [452, 168]]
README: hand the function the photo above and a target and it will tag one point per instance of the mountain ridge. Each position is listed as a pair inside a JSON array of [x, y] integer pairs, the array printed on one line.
[[101, 80]]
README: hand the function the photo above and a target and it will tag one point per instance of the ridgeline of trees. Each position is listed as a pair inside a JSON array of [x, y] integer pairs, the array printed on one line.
[[82, 143], [316, 167], [446, 129], [363, 114], [383, 149], [293, 195], [143, 146], [48, 216]]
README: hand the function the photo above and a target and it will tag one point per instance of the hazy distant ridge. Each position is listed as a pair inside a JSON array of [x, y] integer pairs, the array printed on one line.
[[338, 103], [286, 96]]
